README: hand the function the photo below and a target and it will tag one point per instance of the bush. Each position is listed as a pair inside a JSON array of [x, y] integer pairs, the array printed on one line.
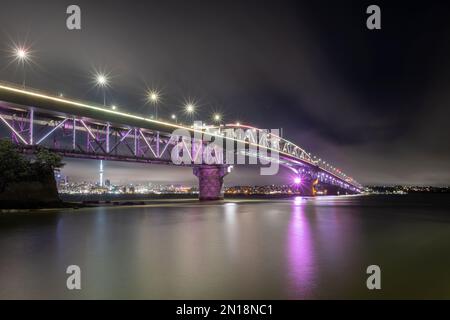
[[15, 167]]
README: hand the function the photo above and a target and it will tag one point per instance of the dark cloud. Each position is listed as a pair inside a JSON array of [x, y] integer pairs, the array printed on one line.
[[372, 102]]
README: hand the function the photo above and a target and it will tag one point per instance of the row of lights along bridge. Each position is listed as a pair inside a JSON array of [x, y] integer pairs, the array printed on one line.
[[153, 96], [22, 55]]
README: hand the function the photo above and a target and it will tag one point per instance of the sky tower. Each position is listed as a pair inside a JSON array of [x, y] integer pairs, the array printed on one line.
[[101, 173]]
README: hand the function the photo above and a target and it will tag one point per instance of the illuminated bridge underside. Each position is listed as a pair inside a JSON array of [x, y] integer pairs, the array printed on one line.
[[85, 130]]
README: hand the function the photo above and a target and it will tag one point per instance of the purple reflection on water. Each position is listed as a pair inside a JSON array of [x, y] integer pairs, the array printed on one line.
[[300, 252]]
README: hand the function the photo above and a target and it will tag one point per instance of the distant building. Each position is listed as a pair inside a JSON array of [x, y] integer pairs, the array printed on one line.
[[100, 182]]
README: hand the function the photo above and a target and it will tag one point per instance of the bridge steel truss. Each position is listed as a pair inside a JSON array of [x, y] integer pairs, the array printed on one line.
[[57, 124], [289, 155], [85, 138]]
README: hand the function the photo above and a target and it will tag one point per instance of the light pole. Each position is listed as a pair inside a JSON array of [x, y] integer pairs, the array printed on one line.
[[22, 56], [153, 97], [101, 174], [217, 118], [189, 108], [101, 81]]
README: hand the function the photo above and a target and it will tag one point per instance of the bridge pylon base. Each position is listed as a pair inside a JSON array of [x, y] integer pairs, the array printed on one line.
[[210, 181], [308, 187]]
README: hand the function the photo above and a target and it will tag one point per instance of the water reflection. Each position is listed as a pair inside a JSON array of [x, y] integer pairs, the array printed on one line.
[[300, 252], [231, 229], [299, 248]]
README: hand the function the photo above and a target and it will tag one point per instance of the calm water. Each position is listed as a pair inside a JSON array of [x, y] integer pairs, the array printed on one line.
[[284, 249]]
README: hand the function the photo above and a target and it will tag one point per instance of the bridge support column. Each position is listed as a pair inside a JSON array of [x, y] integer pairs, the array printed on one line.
[[308, 187], [210, 181]]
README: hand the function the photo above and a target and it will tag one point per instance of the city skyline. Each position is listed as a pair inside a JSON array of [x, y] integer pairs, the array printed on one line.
[[116, 171], [124, 173]]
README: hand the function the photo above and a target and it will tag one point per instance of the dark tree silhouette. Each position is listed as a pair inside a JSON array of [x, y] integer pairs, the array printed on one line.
[[15, 167]]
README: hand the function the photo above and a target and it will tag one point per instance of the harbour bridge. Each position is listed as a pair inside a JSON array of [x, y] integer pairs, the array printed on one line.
[[78, 129]]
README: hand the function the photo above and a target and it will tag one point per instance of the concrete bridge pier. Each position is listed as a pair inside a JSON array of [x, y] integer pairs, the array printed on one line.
[[210, 181], [308, 187]]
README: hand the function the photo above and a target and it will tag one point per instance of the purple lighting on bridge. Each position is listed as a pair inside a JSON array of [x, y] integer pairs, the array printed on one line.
[[138, 139]]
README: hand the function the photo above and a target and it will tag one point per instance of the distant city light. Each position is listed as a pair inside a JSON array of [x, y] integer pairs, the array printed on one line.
[[173, 116], [113, 107]]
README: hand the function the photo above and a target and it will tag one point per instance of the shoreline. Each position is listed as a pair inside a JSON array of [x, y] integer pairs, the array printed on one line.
[[136, 201], [164, 200]]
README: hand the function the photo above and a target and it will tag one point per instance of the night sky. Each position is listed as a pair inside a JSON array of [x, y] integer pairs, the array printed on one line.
[[373, 103]]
